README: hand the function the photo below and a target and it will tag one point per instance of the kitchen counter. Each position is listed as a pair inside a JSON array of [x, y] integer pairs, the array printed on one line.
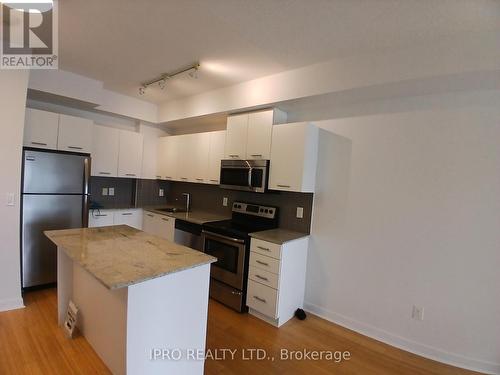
[[278, 236], [194, 216], [134, 292], [120, 256]]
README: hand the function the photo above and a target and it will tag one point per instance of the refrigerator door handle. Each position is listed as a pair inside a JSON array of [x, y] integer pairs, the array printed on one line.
[[85, 211], [86, 194]]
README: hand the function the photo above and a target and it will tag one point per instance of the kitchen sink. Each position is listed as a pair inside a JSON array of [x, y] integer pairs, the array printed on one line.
[[172, 209]]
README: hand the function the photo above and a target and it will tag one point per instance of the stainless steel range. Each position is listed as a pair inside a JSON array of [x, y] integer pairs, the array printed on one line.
[[229, 242]]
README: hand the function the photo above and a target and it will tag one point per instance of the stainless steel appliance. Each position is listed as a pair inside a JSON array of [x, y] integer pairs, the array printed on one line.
[[229, 242], [55, 195], [246, 175], [188, 234]]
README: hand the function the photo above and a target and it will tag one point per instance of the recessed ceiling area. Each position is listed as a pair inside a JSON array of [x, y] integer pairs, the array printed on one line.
[[239, 40]]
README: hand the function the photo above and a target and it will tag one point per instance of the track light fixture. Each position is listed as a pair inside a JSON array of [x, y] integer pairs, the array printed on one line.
[[161, 81]]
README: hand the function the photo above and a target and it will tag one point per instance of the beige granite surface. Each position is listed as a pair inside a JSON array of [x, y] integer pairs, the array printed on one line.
[[278, 236], [120, 256], [196, 217]]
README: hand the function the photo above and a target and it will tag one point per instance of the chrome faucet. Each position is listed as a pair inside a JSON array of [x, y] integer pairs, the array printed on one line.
[[188, 201]]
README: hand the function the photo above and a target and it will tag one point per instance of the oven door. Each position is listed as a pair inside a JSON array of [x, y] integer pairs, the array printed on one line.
[[246, 175], [230, 254]]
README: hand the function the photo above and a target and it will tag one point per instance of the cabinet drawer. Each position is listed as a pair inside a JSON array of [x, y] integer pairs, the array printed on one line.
[[263, 277], [264, 263], [265, 248], [262, 298]]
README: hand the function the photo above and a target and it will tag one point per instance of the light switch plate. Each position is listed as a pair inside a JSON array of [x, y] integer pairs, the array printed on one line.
[[111, 191], [104, 191], [224, 201], [11, 199], [161, 193], [300, 212]]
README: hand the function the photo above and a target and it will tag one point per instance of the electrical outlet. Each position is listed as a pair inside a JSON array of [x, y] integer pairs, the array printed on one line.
[[11, 199], [161, 193], [104, 191], [417, 313], [300, 212], [111, 191], [224, 201]]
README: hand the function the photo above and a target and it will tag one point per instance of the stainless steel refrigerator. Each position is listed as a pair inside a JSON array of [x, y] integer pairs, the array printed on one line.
[[55, 195]]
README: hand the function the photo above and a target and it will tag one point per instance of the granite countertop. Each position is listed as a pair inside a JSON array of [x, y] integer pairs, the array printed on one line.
[[194, 216], [119, 256], [278, 236]]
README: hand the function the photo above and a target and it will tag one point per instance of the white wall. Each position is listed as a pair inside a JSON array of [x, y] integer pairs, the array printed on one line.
[[13, 89], [420, 224]]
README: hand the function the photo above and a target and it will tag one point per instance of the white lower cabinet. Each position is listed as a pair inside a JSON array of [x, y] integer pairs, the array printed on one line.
[[100, 218], [132, 218], [159, 225], [276, 279]]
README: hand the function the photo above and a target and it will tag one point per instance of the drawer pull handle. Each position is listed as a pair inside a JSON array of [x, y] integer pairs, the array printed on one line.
[[104, 172], [283, 186], [158, 177], [165, 219], [200, 179], [255, 155], [214, 180], [263, 248], [100, 215], [39, 143], [184, 178], [150, 215], [126, 213], [75, 148], [168, 177], [260, 299], [234, 156], [129, 174], [262, 277], [263, 263]]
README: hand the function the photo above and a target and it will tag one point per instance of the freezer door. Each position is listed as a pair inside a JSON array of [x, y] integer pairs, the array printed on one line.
[[54, 173], [40, 213]]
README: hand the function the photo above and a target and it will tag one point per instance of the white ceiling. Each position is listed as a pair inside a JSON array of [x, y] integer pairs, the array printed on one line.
[[125, 42]]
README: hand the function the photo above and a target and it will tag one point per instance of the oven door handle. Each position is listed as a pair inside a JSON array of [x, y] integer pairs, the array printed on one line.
[[212, 234]]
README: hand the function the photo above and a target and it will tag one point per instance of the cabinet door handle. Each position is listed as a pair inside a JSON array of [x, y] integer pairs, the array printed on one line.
[[262, 277], [214, 180], [263, 248], [165, 219], [75, 148], [184, 178], [283, 186], [234, 156], [105, 173], [39, 143], [260, 299], [150, 215], [255, 155], [263, 263], [200, 179], [100, 215], [126, 213], [158, 177], [129, 174], [168, 177]]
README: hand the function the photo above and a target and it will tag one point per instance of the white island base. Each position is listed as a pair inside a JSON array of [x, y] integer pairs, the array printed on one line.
[[129, 326]]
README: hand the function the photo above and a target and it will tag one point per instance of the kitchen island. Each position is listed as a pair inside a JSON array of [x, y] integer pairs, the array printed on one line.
[[142, 300]]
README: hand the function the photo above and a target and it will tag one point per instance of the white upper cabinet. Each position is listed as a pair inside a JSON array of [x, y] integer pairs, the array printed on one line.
[[75, 134], [215, 155], [236, 137], [167, 158], [150, 168], [294, 155], [130, 154], [260, 128], [41, 129], [105, 147], [185, 149], [249, 135], [199, 165]]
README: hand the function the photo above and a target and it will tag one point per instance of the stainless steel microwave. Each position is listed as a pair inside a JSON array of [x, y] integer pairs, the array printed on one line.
[[246, 175]]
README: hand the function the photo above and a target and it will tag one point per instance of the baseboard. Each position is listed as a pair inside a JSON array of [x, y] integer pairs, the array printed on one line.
[[11, 304], [405, 344]]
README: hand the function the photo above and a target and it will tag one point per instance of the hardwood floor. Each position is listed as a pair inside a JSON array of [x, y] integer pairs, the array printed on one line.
[[32, 343]]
